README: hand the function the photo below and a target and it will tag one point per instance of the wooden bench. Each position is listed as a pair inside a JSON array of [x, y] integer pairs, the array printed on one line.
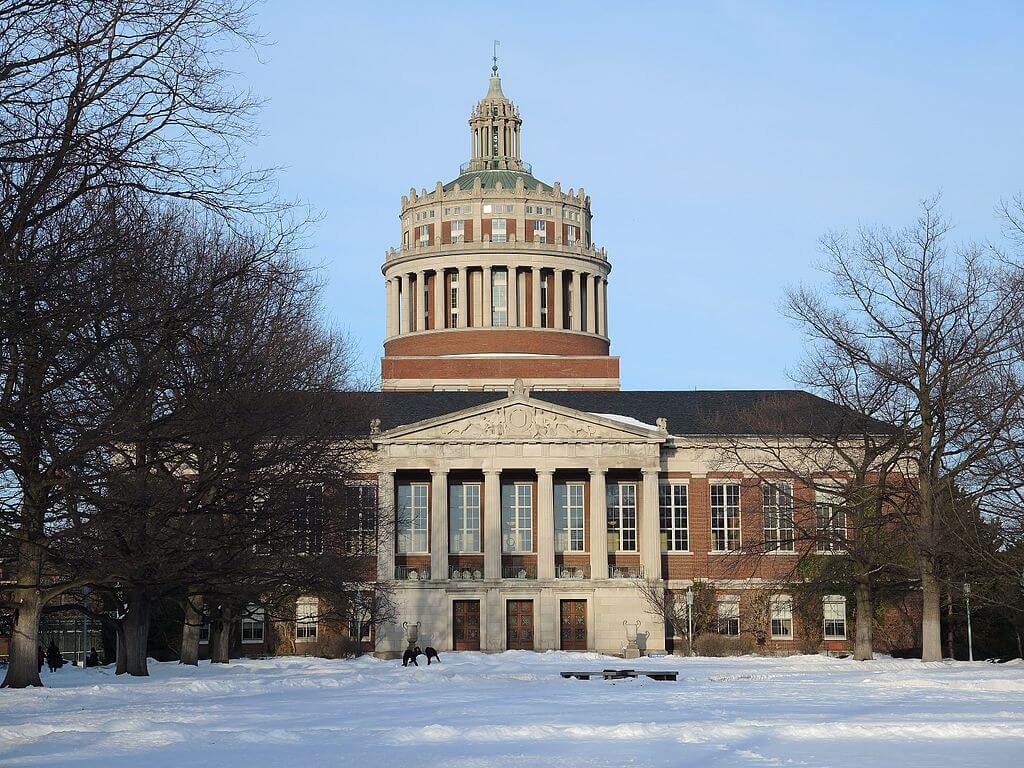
[[623, 674]]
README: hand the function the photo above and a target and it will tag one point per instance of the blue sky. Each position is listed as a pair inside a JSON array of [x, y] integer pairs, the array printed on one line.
[[718, 143]]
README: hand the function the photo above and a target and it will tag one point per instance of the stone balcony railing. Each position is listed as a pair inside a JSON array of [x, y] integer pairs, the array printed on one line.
[[412, 572], [523, 571], [510, 245], [581, 571], [625, 572]]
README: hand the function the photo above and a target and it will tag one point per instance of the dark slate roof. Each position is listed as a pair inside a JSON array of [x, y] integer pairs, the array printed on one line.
[[705, 412], [489, 180]]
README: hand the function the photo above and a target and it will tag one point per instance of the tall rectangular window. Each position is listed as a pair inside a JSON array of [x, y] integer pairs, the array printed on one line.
[[540, 231], [725, 517], [570, 512], [672, 509], [834, 612], [499, 298], [572, 233], [621, 517], [413, 534], [781, 607], [728, 615], [830, 524], [252, 624], [453, 300], [307, 611], [464, 517], [498, 231], [309, 521], [458, 230], [778, 517], [517, 517], [361, 511], [424, 231]]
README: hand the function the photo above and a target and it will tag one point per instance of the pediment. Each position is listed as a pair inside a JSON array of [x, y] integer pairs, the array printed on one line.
[[521, 419]]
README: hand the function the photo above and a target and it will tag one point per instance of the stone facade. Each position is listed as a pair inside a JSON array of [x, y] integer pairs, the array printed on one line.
[[498, 286]]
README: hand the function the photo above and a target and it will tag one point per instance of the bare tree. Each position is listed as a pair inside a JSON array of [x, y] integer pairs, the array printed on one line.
[[937, 328], [99, 103]]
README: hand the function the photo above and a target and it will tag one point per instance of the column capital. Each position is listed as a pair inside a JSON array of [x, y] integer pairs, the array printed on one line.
[[435, 472], [650, 471], [492, 472], [544, 472]]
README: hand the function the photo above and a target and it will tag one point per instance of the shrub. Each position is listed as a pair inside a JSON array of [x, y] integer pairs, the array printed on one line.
[[711, 644]]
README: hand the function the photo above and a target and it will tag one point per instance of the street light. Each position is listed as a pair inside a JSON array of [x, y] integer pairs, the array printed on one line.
[[689, 617], [970, 635]]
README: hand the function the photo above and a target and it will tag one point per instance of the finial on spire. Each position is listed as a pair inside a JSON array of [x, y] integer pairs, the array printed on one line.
[[494, 69]]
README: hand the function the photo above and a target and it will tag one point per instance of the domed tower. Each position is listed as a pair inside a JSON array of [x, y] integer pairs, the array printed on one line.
[[497, 277]]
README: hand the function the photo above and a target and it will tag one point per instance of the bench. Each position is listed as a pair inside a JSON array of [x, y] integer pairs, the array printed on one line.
[[623, 674]]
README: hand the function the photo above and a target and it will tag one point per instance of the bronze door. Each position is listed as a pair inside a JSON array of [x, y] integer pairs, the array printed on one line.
[[574, 625], [466, 625], [519, 625]]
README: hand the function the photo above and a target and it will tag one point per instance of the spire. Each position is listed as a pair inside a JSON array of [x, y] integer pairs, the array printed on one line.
[[495, 128], [494, 92]]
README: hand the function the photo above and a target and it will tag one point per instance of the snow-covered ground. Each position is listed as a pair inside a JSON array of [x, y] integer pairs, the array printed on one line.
[[513, 709]]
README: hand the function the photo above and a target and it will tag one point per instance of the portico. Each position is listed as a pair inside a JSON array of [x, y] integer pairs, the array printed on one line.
[[543, 483]]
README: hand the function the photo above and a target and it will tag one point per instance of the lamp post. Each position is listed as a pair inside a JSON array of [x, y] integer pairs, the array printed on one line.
[[689, 617], [85, 625], [970, 635]]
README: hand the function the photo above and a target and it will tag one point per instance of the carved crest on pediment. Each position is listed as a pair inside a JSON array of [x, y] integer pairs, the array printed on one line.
[[519, 420]]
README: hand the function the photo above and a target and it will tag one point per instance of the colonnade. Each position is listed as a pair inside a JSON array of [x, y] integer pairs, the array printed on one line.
[[409, 295], [648, 524]]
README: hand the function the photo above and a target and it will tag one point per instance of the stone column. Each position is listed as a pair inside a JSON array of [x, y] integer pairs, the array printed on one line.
[[535, 278], [599, 299], [403, 314], [492, 524], [463, 294], [420, 307], [574, 276], [557, 302], [591, 282], [386, 530], [598, 526], [604, 306], [486, 309], [513, 296], [545, 525], [439, 524], [389, 291], [440, 303], [650, 526]]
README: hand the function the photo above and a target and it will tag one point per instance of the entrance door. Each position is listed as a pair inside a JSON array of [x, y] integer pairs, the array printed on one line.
[[466, 625], [519, 625], [574, 625]]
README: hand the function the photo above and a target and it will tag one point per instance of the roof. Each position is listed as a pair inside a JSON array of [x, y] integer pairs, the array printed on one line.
[[707, 412], [489, 180]]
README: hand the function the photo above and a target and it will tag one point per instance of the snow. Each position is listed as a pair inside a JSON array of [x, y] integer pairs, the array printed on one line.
[[626, 420], [512, 709]]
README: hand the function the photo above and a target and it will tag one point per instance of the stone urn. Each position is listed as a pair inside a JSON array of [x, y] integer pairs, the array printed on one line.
[[632, 650], [412, 633]]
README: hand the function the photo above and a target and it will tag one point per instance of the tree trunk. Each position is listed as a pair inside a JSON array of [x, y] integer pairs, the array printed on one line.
[[136, 634], [23, 669], [220, 642], [863, 637], [190, 630], [931, 612], [122, 659]]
